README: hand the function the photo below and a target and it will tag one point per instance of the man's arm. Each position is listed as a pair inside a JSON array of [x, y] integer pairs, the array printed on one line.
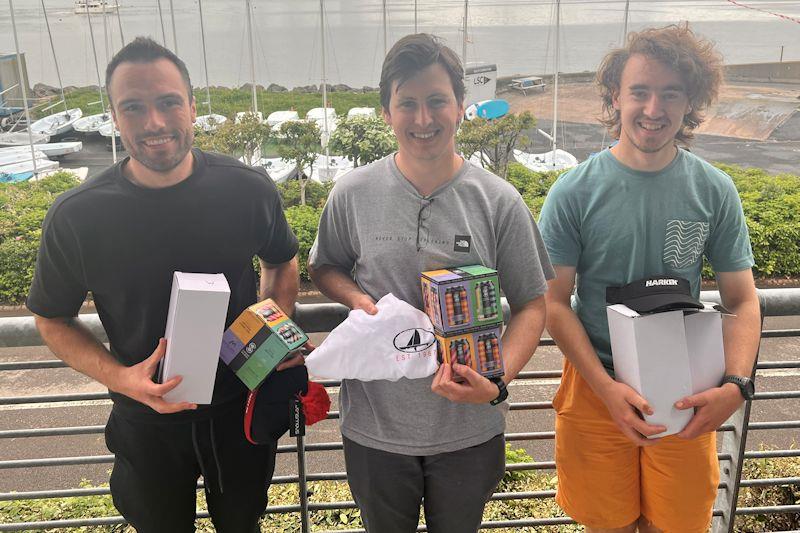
[[519, 343], [71, 342], [570, 336], [280, 282], [337, 285], [741, 336]]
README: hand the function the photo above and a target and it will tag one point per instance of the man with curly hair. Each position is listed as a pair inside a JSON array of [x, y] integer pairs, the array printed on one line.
[[606, 223]]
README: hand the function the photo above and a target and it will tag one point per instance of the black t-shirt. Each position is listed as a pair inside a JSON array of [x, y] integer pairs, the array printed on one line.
[[123, 243]]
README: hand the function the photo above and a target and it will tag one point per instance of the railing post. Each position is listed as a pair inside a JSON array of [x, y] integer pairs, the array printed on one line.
[[734, 444], [302, 484]]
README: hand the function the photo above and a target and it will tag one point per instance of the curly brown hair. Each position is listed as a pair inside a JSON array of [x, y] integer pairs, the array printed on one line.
[[676, 46]]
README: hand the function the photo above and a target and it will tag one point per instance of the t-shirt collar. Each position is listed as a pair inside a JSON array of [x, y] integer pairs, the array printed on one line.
[[198, 169], [641, 174], [408, 186]]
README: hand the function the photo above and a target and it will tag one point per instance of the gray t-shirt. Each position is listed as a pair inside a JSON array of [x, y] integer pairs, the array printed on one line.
[[379, 227]]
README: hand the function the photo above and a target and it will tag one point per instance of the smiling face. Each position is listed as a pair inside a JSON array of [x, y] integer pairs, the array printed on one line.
[[652, 103], [154, 115], [424, 113]]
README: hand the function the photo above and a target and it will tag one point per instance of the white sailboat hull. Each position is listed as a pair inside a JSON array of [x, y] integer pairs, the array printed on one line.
[[279, 170], [48, 149], [545, 162], [27, 166], [209, 123], [57, 123], [92, 123], [18, 138], [11, 158], [334, 168]]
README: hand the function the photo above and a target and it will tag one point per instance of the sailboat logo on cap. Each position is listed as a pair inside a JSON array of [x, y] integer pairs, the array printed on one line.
[[414, 340]]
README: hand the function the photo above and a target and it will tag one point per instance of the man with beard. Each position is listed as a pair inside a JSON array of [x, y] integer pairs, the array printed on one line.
[[643, 208], [120, 236]]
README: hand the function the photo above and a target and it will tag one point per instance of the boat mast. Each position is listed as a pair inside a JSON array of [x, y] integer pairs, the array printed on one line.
[[252, 56], [108, 58], [625, 23], [555, 84], [53, 49], [22, 86], [96, 64], [325, 133], [464, 41], [205, 61], [119, 23], [161, 18], [174, 32], [415, 17], [385, 49]]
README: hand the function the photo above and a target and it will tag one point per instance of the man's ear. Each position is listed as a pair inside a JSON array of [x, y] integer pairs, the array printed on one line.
[[615, 99], [386, 116]]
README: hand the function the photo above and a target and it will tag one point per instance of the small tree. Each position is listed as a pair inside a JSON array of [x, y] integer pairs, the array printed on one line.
[[299, 141], [494, 140], [363, 139], [242, 139]]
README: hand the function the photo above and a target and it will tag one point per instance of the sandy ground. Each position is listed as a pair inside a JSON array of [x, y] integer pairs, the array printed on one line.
[[744, 111]]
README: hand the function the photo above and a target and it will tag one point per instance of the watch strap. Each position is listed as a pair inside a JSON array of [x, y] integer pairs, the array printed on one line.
[[502, 391]]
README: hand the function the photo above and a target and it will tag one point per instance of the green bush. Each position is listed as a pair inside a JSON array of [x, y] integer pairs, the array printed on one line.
[[787, 494], [22, 210], [316, 193], [304, 220]]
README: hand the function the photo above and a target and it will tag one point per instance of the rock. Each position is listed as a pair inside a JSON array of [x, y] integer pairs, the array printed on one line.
[[306, 89], [275, 88], [41, 90], [342, 88], [368, 89]]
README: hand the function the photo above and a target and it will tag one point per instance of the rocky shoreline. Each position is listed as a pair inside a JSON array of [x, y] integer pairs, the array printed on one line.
[[42, 90]]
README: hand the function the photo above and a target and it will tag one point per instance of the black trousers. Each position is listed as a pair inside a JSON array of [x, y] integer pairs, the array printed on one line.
[[157, 465], [453, 487]]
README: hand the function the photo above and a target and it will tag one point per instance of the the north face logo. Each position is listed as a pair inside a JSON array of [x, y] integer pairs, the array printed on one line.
[[462, 243]]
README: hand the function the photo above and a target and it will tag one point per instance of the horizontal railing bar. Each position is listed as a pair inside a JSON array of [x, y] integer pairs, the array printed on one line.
[[781, 424], [777, 365], [57, 461], [771, 454], [53, 398], [533, 435], [779, 333], [527, 406], [51, 432], [777, 395], [766, 482], [772, 509]]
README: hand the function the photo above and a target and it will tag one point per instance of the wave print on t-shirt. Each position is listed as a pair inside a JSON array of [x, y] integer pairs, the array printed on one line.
[[684, 242]]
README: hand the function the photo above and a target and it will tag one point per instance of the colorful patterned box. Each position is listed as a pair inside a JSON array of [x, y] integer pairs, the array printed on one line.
[[258, 340], [462, 298], [479, 349]]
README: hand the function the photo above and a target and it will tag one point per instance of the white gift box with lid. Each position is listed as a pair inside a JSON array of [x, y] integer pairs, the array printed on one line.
[[667, 356], [198, 306]]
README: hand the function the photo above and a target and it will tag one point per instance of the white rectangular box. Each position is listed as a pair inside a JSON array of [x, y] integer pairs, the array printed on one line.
[[198, 306], [667, 356]]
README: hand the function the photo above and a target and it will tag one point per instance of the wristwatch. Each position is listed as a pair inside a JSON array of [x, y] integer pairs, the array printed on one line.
[[503, 391], [746, 385]]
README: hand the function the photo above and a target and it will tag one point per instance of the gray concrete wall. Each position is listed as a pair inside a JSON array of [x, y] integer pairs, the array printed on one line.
[[784, 72]]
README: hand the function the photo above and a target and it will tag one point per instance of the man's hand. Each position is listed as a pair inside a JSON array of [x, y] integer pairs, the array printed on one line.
[[712, 408], [365, 303], [137, 382], [622, 403], [476, 388], [298, 358]]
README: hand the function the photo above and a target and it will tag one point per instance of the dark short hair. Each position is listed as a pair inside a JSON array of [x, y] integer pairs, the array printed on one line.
[[676, 46], [146, 50], [414, 53]]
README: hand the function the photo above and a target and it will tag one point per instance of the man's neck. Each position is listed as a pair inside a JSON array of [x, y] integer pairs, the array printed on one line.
[[145, 177], [632, 157], [427, 176]]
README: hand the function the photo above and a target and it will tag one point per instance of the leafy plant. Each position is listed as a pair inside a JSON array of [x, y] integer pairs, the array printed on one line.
[[363, 139], [494, 140], [300, 142], [245, 138]]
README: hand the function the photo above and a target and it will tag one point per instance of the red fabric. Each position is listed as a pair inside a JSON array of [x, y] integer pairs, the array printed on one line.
[[316, 403], [248, 414]]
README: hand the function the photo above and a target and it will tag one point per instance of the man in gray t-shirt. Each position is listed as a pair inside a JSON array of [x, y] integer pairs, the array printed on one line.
[[420, 209]]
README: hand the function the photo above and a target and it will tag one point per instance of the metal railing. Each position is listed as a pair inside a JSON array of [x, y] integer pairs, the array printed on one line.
[[20, 331]]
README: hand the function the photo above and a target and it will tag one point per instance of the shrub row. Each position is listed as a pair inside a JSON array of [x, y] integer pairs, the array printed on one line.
[[771, 204]]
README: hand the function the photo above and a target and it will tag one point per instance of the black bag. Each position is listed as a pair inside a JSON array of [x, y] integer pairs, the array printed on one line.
[[270, 407]]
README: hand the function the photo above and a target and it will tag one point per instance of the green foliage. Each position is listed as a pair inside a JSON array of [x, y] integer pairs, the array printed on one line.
[[300, 142], [243, 139], [363, 139], [494, 140], [532, 186], [226, 101], [316, 193], [22, 210], [304, 220], [786, 494]]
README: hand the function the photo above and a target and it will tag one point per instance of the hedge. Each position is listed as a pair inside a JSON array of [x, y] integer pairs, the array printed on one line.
[[771, 204]]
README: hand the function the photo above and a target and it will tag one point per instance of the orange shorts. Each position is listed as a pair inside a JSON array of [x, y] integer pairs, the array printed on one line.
[[606, 481]]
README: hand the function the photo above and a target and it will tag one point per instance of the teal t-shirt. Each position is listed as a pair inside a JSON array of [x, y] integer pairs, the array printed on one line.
[[616, 225]]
